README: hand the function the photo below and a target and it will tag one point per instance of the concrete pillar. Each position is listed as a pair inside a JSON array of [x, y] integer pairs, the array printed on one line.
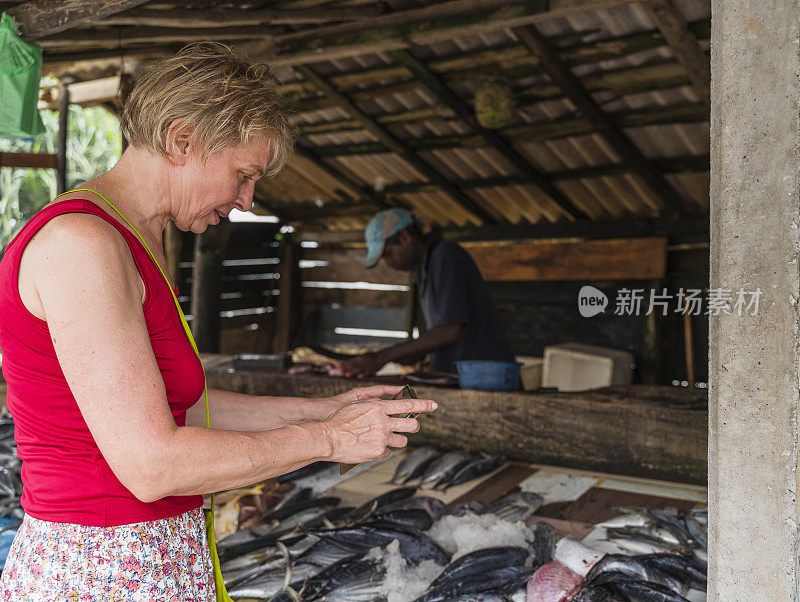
[[753, 360]]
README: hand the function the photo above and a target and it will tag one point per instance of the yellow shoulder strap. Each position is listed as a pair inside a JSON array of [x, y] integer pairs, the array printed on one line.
[[222, 594]]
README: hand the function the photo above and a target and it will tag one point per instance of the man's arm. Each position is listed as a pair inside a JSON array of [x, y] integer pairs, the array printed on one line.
[[437, 337]]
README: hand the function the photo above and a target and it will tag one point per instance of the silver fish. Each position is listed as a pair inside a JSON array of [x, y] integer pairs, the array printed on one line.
[[414, 464], [441, 466], [516, 506]]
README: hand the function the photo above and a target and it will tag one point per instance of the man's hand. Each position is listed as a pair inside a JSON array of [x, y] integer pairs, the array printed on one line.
[[363, 365]]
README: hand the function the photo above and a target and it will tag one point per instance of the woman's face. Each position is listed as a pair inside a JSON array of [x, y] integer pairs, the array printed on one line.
[[211, 189]]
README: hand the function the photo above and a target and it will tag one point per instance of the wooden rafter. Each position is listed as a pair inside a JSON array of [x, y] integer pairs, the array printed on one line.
[[492, 138], [119, 37], [561, 75], [673, 165], [349, 187], [395, 145], [683, 44], [219, 17], [39, 18], [406, 28], [537, 132], [682, 112]]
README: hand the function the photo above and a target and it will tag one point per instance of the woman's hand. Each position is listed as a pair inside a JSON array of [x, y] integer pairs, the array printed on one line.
[[320, 409], [365, 430]]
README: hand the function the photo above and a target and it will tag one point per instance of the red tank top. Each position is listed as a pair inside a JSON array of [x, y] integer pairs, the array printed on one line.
[[65, 477]]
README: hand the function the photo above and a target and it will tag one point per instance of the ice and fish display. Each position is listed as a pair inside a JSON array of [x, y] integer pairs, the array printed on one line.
[[404, 546]]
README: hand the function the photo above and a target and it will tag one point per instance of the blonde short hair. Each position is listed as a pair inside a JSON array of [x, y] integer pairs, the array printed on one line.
[[228, 98]]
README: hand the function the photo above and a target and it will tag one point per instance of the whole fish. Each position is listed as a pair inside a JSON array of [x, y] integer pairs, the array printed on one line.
[[645, 591], [472, 584], [697, 530], [379, 502], [313, 587], [431, 505], [414, 464], [415, 546], [410, 517], [299, 506], [473, 470], [635, 568], [481, 561], [441, 466], [516, 506], [270, 583], [305, 471], [684, 569], [361, 582]]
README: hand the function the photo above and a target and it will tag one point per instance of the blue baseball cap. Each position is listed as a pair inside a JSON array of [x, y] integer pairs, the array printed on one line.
[[384, 225]]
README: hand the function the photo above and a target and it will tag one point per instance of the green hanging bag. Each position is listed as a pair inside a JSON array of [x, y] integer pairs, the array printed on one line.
[[20, 72]]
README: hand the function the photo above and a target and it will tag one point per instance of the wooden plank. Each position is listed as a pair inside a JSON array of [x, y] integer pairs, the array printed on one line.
[[39, 18], [30, 160], [499, 484], [559, 72], [566, 429], [347, 265], [597, 505], [151, 35], [221, 17], [61, 145], [356, 298], [287, 314], [84, 93], [597, 260]]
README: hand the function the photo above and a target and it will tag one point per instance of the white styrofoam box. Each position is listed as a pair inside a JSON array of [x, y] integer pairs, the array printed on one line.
[[530, 372], [578, 367]]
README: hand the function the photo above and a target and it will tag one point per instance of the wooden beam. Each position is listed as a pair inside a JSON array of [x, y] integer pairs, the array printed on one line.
[[419, 26], [39, 18], [30, 160], [689, 164], [394, 144], [226, 17], [561, 75], [349, 186], [695, 227], [683, 44], [593, 260], [591, 430], [94, 91], [492, 138], [61, 146], [120, 38]]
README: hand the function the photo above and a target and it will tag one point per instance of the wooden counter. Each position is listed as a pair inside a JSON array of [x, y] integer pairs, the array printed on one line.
[[649, 431]]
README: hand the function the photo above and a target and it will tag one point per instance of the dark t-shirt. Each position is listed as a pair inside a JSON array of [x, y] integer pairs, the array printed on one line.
[[452, 291]]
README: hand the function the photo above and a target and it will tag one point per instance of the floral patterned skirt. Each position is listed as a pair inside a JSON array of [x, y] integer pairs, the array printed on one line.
[[164, 559]]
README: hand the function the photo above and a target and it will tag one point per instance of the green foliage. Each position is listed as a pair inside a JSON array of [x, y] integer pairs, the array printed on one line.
[[94, 144]]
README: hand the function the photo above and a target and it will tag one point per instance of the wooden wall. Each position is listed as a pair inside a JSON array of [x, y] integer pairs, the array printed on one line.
[[248, 298], [534, 285]]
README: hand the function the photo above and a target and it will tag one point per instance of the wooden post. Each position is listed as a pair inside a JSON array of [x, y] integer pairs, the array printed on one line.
[[287, 300], [63, 116], [209, 250], [688, 348], [651, 361], [411, 306]]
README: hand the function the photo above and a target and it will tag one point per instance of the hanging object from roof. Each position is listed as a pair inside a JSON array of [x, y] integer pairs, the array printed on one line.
[[494, 105]]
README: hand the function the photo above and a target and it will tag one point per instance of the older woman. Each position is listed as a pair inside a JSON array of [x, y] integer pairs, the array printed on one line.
[[104, 386]]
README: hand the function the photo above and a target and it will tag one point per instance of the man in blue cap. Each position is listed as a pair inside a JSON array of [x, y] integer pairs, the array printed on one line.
[[462, 323]]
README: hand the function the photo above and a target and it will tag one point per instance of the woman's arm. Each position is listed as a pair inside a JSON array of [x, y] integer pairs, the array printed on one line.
[[242, 412], [91, 293]]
